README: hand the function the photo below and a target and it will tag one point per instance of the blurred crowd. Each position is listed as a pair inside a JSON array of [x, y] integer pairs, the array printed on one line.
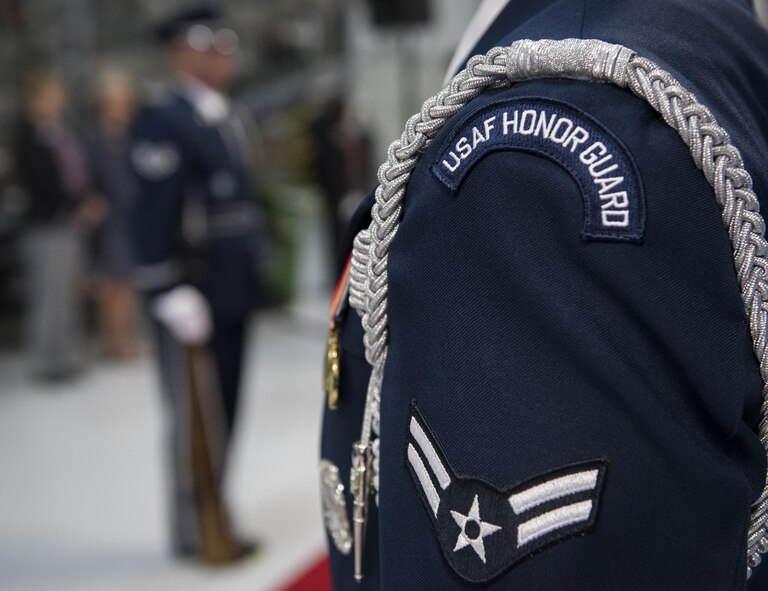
[[77, 239], [78, 251]]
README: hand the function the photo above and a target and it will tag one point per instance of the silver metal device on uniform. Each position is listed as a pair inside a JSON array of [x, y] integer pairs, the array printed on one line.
[[334, 507], [359, 482]]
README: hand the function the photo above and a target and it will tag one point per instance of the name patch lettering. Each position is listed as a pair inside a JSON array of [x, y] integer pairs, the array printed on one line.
[[609, 180]]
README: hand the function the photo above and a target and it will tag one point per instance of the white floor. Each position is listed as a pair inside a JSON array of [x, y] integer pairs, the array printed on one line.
[[81, 468]]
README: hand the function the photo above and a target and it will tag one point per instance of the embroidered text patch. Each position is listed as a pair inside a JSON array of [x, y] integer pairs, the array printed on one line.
[[614, 202], [483, 531]]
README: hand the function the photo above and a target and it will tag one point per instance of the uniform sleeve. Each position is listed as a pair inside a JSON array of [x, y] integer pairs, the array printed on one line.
[[568, 403], [156, 159]]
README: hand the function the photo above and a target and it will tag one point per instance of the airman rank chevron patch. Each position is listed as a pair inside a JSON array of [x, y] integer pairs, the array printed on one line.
[[483, 531]]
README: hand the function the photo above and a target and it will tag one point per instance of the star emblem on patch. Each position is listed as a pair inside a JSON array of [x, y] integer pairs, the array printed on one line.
[[473, 530], [483, 531]]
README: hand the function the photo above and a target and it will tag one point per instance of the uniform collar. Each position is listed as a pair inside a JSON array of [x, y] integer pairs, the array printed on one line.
[[488, 11], [211, 106], [761, 8]]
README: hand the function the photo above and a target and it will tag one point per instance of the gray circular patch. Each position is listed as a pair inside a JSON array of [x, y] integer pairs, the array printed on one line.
[[155, 161], [335, 507]]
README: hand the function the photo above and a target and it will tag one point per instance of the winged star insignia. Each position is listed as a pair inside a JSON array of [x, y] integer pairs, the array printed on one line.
[[484, 531]]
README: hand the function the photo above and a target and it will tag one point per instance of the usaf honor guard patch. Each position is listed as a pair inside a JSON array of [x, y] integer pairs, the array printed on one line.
[[482, 530], [601, 165]]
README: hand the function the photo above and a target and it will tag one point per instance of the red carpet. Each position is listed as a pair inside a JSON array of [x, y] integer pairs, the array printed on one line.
[[317, 577]]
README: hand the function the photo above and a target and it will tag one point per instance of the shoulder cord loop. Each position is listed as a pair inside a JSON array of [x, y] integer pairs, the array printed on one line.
[[594, 61]]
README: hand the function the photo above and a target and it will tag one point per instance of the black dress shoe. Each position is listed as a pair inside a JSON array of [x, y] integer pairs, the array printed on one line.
[[184, 551], [244, 550], [248, 548]]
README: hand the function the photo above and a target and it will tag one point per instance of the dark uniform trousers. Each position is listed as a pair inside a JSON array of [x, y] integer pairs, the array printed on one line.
[[226, 352]]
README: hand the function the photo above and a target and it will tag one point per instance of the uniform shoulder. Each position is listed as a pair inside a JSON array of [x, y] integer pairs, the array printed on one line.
[[547, 235], [159, 116], [156, 150], [601, 136], [162, 104]]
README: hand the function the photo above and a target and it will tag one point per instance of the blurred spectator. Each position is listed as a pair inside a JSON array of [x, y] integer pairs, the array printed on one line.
[[52, 169], [342, 165], [113, 178]]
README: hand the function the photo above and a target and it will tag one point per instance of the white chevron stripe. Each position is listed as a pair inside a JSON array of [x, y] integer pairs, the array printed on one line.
[[429, 452], [426, 482], [553, 489], [545, 523]]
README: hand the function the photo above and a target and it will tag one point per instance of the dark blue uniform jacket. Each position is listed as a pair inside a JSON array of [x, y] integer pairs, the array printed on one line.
[[195, 217], [522, 345]]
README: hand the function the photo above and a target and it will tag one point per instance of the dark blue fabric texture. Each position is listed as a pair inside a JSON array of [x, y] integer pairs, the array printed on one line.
[[529, 349]]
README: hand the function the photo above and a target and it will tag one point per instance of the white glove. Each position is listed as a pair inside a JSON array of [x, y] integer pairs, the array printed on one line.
[[185, 313]]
